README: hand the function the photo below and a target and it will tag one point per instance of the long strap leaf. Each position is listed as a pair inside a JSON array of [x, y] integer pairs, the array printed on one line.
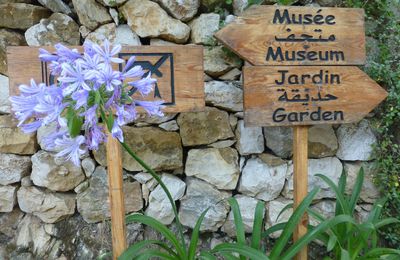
[[243, 250], [237, 217], [136, 248], [257, 225], [339, 195], [195, 236], [355, 195]]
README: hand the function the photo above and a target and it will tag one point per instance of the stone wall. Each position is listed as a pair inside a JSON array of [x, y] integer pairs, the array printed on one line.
[[55, 210]]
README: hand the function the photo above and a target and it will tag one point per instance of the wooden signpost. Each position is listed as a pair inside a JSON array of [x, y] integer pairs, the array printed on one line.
[[283, 94], [179, 73]]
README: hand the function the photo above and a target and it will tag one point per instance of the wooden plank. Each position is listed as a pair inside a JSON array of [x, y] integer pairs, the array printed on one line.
[[324, 36], [116, 196], [277, 96], [180, 76], [300, 181]]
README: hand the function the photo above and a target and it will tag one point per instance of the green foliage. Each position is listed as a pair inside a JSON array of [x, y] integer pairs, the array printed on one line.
[[382, 19], [353, 240]]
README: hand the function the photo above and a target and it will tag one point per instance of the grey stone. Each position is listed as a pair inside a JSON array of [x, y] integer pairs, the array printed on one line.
[[114, 15], [84, 31], [197, 128], [225, 95], [49, 207], [57, 6], [200, 196], [160, 150], [21, 15], [183, 10], [222, 144], [329, 3], [8, 198], [93, 203], [141, 13], [369, 192], [104, 32], [58, 28], [250, 140], [326, 208], [247, 206], [218, 167], [112, 2], [330, 167], [239, 6], [217, 62], [45, 131], [159, 205], [279, 140], [9, 222], [82, 187], [356, 141], [4, 91], [26, 181], [203, 29], [160, 42], [125, 36], [7, 38], [13, 168], [91, 14], [273, 209], [170, 126], [88, 166], [322, 141], [233, 74], [142, 177], [49, 172], [263, 177], [13, 140]]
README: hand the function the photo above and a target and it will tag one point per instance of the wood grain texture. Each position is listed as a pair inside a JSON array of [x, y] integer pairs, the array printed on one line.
[[187, 73], [300, 181], [251, 35], [356, 95], [116, 196]]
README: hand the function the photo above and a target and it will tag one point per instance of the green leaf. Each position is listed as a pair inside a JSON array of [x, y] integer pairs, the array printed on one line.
[[153, 253], [291, 224], [242, 250], [195, 236], [74, 123], [286, 2], [274, 228], [134, 250], [110, 120], [331, 242], [158, 226], [378, 252], [288, 206], [386, 221], [204, 255], [237, 217], [355, 195], [344, 254], [257, 225], [339, 195]]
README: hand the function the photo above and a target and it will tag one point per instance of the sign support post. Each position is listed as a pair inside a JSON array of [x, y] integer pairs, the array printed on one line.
[[116, 196], [300, 178]]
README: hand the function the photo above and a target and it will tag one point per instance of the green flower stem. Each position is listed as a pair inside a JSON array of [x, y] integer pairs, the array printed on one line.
[[158, 179]]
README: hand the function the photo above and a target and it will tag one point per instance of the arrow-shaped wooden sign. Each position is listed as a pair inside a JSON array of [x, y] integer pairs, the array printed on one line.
[[282, 35], [308, 95]]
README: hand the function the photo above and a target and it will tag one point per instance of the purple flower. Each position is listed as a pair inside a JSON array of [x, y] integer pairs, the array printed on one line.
[[49, 140], [95, 136], [151, 107], [71, 148], [91, 116], [116, 132], [88, 47], [66, 54], [144, 86], [125, 114], [47, 56], [31, 127], [74, 78], [106, 54], [80, 97], [110, 78]]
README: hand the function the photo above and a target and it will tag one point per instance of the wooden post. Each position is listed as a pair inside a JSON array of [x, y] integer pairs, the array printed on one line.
[[117, 205], [300, 166]]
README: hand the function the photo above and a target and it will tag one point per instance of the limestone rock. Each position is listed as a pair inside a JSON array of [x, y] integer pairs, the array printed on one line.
[[329, 3], [7, 38], [112, 2], [239, 6], [273, 209], [8, 198], [324, 207], [43, 132], [91, 14], [4, 92], [170, 126], [217, 61], [183, 10], [322, 141], [160, 42], [88, 165], [222, 144], [263, 179], [355, 141], [13, 168], [279, 140], [125, 36], [58, 28], [93, 203], [160, 150], [154, 120], [57, 6], [114, 15], [225, 95], [9, 222], [247, 206], [159, 205], [197, 128], [49, 207], [21, 16], [218, 167], [104, 32], [369, 192], [331, 167], [13, 140], [233, 74], [203, 29], [200, 196], [250, 139], [54, 174], [142, 13]]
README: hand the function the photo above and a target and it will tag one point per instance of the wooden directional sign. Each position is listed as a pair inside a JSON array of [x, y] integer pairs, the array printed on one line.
[[282, 35], [307, 95], [178, 70]]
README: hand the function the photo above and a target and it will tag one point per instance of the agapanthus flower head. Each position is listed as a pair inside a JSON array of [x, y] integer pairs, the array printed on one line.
[[89, 99]]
